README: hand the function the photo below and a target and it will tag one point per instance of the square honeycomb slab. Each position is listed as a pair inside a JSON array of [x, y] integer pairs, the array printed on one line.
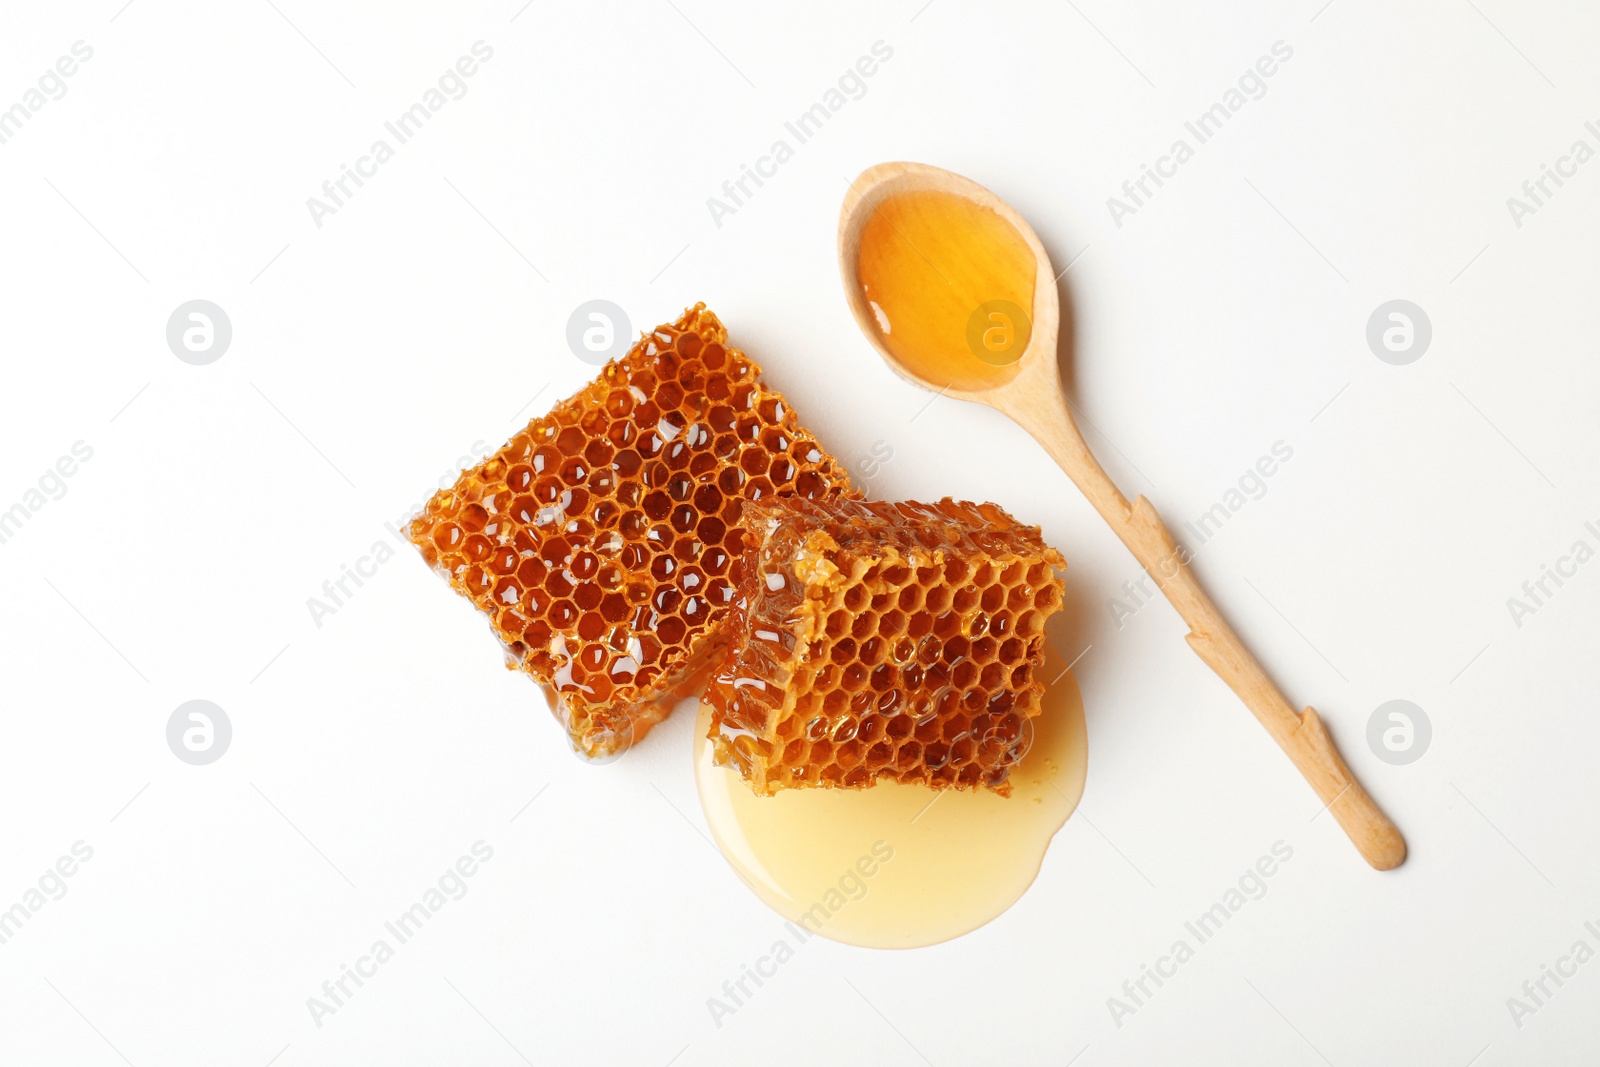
[[895, 641], [603, 540]]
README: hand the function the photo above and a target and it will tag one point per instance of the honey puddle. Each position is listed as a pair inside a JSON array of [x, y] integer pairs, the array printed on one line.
[[900, 866], [950, 285]]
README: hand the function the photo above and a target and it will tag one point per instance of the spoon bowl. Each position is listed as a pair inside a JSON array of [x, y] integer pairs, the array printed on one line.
[[933, 266], [888, 181]]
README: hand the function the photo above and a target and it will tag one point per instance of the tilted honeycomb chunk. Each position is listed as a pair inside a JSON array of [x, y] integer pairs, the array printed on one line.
[[602, 541], [884, 641]]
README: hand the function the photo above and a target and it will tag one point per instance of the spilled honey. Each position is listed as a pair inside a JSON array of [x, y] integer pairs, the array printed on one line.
[[950, 286], [901, 866]]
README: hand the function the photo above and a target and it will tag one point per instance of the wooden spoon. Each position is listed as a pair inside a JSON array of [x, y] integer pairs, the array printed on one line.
[[1028, 389]]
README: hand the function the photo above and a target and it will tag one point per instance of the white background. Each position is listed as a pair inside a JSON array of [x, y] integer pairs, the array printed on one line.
[[422, 318]]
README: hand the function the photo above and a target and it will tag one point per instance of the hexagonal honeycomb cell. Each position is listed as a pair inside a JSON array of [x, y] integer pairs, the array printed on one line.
[[884, 641], [603, 541]]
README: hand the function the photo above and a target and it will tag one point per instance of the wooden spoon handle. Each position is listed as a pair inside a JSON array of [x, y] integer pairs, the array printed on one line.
[[1301, 735]]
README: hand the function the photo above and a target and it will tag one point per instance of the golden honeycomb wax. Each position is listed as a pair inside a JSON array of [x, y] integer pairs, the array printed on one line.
[[602, 541], [895, 641]]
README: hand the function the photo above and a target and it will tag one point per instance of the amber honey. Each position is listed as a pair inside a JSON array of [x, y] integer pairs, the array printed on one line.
[[884, 642], [674, 514], [602, 541], [950, 286], [955, 859]]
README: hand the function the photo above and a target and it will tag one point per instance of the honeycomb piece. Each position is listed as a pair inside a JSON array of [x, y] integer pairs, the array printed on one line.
[[884, 641], [603, 540]]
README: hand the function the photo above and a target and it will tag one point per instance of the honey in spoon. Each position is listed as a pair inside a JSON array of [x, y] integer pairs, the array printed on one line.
[[950, 285]]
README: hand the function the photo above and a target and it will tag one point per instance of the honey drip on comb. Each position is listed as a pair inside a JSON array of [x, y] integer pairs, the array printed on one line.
[[929, 263], [959, 857], [884, 641], [602, 541]]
